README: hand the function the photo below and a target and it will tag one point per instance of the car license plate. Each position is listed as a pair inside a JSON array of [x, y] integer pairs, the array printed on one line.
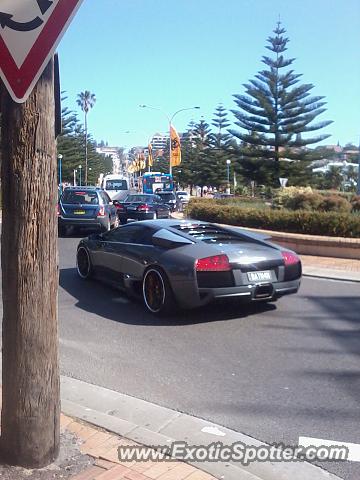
[[259, 276], [79, 212]]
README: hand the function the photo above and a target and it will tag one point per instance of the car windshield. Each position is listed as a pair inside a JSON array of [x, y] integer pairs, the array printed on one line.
[[78, 197], [116, 185], [209, 233], [166, 196], [182, 194], [139, 198]]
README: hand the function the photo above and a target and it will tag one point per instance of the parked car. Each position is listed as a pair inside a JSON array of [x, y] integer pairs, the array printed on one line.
[[182, 199], [169, 199], [86, 208], [189, 263], [141, 206], [184, 196]]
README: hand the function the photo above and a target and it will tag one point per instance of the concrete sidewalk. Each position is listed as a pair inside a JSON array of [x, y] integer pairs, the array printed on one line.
[[131, 421], [333, 268], [103, 446]]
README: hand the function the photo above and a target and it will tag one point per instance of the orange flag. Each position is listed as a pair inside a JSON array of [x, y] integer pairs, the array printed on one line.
[[150, 157], [175, 147]]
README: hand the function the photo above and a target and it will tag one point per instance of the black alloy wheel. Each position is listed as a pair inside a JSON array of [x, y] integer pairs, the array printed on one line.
[[157, 293], [83, 263]]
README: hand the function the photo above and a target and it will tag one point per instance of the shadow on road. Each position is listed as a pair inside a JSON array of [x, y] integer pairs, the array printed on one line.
[[339, 320], [100, 299]]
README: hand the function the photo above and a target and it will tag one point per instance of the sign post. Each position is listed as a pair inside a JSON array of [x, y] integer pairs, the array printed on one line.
[[29, 32]]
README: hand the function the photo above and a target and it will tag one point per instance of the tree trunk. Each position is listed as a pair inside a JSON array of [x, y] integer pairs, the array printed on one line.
[[30, 367], [86, 150]]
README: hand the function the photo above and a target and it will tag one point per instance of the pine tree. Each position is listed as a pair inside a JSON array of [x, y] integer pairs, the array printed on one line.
[[276, 110], [201, 140], [221, 123], [70, 144]]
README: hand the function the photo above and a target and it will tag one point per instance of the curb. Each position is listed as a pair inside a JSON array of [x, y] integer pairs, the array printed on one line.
[[152, 425], [327, 274]]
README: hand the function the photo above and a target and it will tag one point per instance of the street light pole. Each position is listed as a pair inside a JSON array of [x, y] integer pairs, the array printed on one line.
[[170, 119], [75, 172], [80, 168], [60, 157], [228, 162]]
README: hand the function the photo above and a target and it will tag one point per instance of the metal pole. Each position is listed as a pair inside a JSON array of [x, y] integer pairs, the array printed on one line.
[[80, 176], [228, 172], [60, 171], [170, 166], [170, 120]]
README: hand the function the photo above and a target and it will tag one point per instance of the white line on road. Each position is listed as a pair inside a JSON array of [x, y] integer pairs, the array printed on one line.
[[353, 448]]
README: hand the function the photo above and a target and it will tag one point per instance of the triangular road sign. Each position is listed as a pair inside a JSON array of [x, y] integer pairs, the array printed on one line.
[[30, 31]]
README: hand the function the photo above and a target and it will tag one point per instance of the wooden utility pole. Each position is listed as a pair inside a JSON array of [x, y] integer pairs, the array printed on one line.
[[29, 256]]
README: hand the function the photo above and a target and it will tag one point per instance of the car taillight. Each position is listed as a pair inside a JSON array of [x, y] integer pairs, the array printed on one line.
[[217, 263], [290, 258], [143, 208], [120, 207], [101, 212], [58, 210]]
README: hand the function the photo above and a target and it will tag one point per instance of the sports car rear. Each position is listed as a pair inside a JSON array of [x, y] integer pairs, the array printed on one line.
[[247, 269]]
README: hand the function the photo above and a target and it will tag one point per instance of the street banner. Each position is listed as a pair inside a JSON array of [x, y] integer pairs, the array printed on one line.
[[150, 157], [175, 147]]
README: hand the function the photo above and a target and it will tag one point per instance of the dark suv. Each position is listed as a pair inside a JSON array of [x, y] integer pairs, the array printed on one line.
[[86, 207], [168, 198]]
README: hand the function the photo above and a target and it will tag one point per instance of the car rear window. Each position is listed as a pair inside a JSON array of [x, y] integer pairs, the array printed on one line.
[[167, 196], [208, 233], [80, 197], [139, 198], [116, 185]]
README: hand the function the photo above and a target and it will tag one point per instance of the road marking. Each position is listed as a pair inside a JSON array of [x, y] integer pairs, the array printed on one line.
[[213, 431], [353, 448]]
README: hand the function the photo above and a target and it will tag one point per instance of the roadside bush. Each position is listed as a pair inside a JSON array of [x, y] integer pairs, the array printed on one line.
[[334, 203], [303, 201], [327, 193], [283, 195], [355, 203], [313, 223]]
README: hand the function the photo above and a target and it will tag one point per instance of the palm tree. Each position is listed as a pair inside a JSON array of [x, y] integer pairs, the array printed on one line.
[[86, 100]]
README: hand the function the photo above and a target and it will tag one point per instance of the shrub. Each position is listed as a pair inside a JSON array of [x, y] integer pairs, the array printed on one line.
[[355, 203], [334, 203], [334, 224], [303, 201], [283, 195]]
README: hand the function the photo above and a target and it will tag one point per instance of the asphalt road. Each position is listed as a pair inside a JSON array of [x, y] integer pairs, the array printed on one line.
[[273, 372]]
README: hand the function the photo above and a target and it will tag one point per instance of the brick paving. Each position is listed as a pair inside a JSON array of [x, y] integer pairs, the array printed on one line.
[[102, 447]]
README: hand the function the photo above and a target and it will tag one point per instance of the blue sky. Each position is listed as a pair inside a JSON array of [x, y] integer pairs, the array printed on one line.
[[182, 53]]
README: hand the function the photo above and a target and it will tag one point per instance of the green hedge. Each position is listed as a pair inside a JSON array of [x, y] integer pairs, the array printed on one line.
[[312, 223]]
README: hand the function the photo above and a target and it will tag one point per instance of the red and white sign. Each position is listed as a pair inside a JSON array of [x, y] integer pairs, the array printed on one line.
[[30, 31]]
